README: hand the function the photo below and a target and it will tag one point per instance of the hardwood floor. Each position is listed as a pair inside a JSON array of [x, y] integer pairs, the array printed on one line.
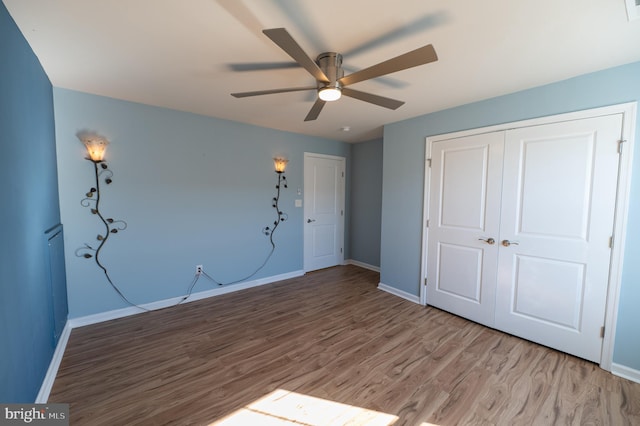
[[326, 348]]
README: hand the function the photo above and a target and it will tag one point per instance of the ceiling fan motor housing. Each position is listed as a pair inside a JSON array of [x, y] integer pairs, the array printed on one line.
[[331, 65]]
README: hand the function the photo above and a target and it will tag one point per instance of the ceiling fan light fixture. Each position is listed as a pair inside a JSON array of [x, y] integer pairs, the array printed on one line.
[[329, 94]]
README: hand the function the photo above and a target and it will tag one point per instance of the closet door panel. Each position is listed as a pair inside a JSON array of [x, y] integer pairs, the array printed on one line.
[[558, 203], [465, 182]]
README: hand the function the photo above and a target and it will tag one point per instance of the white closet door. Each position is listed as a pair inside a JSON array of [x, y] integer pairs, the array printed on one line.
[[558, 204], [466, 176]]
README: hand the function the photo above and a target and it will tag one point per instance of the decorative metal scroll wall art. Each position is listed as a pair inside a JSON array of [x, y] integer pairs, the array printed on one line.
[[96, 146], [280, 166]]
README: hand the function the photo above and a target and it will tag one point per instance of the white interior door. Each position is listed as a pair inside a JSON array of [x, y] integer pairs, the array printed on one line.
[[464, 225], [324, 187], [558, 205]]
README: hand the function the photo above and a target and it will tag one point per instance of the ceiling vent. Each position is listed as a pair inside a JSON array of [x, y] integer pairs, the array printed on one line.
[[633, 9]]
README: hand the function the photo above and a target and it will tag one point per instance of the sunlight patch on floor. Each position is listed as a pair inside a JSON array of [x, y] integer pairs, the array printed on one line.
[[282, 407]]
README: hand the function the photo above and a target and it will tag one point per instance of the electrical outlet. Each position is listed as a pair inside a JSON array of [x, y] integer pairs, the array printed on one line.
[[198, 269]]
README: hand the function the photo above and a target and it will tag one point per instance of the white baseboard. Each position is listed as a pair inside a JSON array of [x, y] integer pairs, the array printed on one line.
[[52, 371], [362, 265], [161, 304], [103, 316], [407, 296], [625, 372]]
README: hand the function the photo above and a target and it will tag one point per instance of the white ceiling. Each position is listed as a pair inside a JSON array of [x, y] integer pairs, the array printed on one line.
[[179, 54]]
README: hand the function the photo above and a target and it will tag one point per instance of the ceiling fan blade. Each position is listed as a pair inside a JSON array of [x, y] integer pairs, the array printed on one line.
[[272, 91], [372, 99], [420, 56], [262, 66], [315, 110], [283, 39]]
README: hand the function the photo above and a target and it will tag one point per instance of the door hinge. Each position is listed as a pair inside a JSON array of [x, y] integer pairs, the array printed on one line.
[[602, 331], [340, 249], [611, 241], [425, 281], [341, 212], [342, 174], [426, 225], [620, 143], [428, 162]]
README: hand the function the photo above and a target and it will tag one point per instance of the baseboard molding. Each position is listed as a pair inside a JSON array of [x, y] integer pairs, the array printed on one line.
[[625, 372], [407, 296], [362, 265], [161, 304], [52, 371]]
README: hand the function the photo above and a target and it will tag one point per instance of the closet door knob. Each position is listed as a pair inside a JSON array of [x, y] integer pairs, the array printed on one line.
[[310, 220], [489, 241], [508, 243]]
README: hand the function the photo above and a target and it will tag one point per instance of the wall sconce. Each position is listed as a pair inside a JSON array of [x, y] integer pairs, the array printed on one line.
[[280, 164], [96, 146]]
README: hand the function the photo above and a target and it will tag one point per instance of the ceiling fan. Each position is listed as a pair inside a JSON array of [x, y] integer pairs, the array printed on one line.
[[331, 83]]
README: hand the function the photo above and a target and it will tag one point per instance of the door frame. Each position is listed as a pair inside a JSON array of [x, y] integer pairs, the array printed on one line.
[[343, 165], [628, 111]]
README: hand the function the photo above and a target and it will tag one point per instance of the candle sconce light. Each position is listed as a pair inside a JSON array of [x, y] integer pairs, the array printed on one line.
[[280, 165], [96, 146]]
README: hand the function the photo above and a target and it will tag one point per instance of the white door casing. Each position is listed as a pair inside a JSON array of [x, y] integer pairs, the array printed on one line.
[[584, 176], [324, 189]]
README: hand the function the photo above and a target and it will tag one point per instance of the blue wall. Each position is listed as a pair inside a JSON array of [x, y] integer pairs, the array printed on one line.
[[404, 148], [366, 201], [193, 190], [29, 193]]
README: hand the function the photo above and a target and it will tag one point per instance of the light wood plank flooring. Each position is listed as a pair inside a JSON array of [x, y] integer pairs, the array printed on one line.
[[327, 348]]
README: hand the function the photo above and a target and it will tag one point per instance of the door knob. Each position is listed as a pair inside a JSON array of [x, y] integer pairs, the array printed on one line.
[[310, 220], [489, 241], [507, 243]]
